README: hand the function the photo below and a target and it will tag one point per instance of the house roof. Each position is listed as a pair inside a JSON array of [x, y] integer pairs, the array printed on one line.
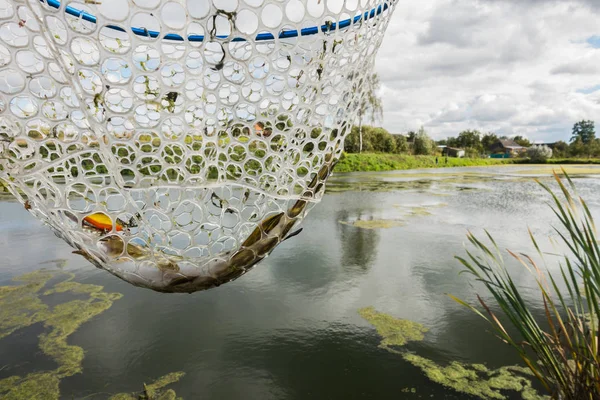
[[510, 144]]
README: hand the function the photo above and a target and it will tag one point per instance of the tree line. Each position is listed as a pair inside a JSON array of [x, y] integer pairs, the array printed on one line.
[[583, 141]]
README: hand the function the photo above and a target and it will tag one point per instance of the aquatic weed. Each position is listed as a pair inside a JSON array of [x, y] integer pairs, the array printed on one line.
[[561, 349]]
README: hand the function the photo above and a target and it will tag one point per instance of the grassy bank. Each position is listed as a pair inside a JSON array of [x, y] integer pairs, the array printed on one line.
[[391, 162]]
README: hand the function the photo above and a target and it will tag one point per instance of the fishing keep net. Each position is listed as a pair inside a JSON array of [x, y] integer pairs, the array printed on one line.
[[176, 144]]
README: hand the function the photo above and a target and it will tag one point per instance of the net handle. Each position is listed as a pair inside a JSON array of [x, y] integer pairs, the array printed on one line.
[[285, 34]]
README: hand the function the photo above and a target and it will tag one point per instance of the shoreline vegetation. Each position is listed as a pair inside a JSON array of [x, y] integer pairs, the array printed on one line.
[[373, 162], [371, 148], [379, 162]]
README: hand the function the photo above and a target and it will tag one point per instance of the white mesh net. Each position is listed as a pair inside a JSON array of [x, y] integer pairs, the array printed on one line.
[[176, 144]]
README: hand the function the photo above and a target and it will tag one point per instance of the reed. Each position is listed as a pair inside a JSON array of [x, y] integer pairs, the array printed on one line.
[[561, 349]]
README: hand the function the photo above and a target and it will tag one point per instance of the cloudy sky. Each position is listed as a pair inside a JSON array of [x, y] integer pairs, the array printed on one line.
[[526, 67]]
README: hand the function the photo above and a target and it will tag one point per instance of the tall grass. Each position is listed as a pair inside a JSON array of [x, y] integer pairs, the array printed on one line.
[[352, 162], [561, 348], [390, 162]]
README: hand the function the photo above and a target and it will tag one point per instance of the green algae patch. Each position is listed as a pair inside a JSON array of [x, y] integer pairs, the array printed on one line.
[[420, 211], [74, 287], [471, 379], [569, 169], [22, 305], [401, 215], [476, 379], [64, 321], [36, 386], [155, 390], [395, 332], [375, 223]]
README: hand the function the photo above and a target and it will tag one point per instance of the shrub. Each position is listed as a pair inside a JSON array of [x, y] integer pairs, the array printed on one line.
[[423, 144], [539, 153]]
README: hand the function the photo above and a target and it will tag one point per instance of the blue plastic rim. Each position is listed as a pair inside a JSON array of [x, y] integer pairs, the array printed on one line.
[[313, 30]]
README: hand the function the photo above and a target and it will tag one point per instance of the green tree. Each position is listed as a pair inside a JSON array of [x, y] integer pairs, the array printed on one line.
[[560, 149], [580, 149], [521, 141], [470, 140], [593, 148], [374, 139], [381, 140], [452, 142], [370, 104], [577, 148], [584, 130], [401, 144], [488, 140], [352, 143], [423, 144]]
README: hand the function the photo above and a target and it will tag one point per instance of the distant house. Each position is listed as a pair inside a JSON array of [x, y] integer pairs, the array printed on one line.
[[453, 152], [507, 148]]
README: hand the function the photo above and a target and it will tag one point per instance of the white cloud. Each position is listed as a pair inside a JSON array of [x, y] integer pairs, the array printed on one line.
[[514, 67]]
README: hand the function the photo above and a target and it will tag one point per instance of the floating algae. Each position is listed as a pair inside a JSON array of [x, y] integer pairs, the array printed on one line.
[[21, 306], [442, 183], [477, 379], [379, 186], [421, 210], [154, 391], [395, 332], [472, 379], [39, 385], [375, 223], [399, 220]]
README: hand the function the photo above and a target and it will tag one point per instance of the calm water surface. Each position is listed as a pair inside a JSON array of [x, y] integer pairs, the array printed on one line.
[[289, 329]]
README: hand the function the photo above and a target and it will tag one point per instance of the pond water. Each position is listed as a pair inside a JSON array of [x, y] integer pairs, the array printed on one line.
[[290, 329]]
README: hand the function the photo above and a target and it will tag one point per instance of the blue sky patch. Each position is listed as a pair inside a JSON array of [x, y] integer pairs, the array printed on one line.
[[589, 90], [594, 41]]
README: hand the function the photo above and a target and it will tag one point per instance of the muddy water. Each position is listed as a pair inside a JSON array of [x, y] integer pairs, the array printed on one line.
[[291, 328]]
